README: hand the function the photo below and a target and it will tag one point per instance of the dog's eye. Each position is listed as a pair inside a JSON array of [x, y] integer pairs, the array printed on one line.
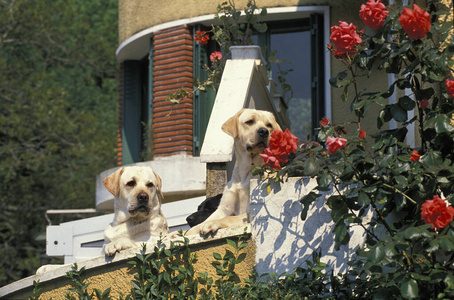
[[131, 183], [150, 185], [249, 122], [269, 125]]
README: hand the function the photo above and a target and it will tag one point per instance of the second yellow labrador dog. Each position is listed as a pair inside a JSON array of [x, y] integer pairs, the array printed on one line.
[[251, 130], [137, 208]]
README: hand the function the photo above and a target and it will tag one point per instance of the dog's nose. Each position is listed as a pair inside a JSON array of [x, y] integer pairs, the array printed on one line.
[[263, 132], [142, 197]]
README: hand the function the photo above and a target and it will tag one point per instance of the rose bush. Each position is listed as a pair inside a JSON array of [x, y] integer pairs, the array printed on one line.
[[410, 240]]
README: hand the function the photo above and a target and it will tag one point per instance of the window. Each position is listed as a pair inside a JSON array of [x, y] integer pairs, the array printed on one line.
[[298, 42], [135, 103]]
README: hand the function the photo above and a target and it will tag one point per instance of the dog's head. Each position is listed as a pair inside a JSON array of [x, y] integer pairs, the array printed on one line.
[[204, 210], [251, 128], [137, 191]]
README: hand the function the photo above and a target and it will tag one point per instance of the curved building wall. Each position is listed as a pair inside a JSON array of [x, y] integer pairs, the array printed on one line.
[[137, 15]]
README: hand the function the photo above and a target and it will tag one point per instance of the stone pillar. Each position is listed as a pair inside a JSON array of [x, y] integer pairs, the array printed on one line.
[[216, 178]]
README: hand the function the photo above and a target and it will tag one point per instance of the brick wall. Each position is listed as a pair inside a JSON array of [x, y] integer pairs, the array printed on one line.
[[172, 70]]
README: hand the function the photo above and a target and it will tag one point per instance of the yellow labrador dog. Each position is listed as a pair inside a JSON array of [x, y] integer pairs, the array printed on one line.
[[251, 130], [138, 216]]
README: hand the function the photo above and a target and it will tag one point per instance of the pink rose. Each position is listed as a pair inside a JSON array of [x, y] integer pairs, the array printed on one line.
[[216, 55], [416, 22], [345, 37], [437, 212], [373, 14], [270, 159], [333, 144]]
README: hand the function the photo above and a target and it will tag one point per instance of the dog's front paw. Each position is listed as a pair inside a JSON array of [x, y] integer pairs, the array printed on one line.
[[114, 247], [210, 226]]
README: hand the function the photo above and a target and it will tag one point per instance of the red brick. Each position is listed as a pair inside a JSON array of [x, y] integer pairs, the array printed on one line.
[[172, 44], [164, 134], [172, 66]]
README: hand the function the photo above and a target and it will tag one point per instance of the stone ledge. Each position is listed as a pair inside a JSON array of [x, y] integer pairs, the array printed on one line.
[[23, 287]]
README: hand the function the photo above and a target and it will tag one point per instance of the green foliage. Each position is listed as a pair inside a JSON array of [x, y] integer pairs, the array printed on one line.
[[165, 273], [57, 117], [80, 286]]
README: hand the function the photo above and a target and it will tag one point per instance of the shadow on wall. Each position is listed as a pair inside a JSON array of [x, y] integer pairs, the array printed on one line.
[[283, 240]]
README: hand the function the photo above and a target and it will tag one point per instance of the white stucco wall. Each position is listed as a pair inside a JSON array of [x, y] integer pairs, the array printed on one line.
[[283, 240]]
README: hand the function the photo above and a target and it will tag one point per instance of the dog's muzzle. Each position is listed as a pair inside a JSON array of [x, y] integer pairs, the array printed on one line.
[[142, 204], [262, 141]]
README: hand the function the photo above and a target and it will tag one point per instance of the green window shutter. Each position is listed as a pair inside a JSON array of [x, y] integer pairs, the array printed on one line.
[[317, 71], [132, 110], [203, 101]]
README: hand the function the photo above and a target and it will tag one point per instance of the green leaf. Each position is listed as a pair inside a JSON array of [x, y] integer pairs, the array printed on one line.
[[363, 199], [442, 124], [377, 253], [324, 180], [409, 288], [311, 167], [407, 103], [446, 243], [232, 243], [432, 158], [398, 113]]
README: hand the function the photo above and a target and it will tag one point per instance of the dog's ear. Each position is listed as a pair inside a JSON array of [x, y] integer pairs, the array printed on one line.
[[112, 182], [231, 125], [275, 124], [159, 186]]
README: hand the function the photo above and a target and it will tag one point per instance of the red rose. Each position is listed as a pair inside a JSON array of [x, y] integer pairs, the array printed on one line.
[[281, 144], [373, 14], [437, 212], [202, 37], [361, 134], [324, 122], [333, 144], [415, 156], [424, 103], [345, 37], [416, 22], [270, 159], [216, 55], [449, 84]]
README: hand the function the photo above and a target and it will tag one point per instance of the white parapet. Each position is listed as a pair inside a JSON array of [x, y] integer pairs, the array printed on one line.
[[283, 240]]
